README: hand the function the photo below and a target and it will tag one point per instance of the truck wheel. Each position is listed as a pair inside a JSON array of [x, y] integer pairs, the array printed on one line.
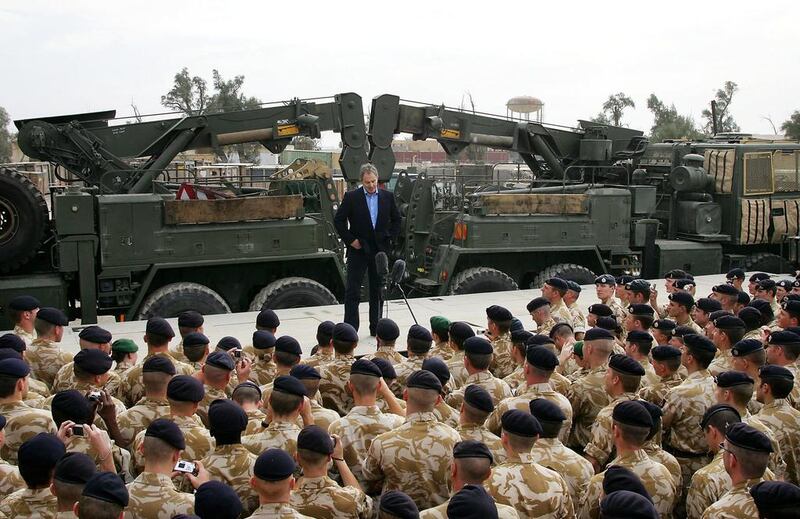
[[172, 299], [568, 271], [766, 262], [481, 279], [23, 219], [293, 292]]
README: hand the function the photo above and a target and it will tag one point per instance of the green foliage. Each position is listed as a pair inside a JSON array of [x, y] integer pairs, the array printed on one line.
[[188, 94], [5, 136], [614, 107], [668, 124], [790, 127], [601, 118], [725, 121]]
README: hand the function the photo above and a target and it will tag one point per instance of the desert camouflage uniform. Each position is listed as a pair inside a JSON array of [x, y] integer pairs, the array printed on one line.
[[211, 394], [333, 383], [122, 367], [776, 462], [277, 511], [39, 504], [357, 429], [458, 372], [233, 465], [503, 363], [446, 414], [198, 440], [407, 367], [577, 316], [601, 445], [322, 416], [45, 359], [138, 417], [753, 334], [497, 389], [707, 486], [37, 388], [440, 512], [65, 379], [561, 313], [658, 392], [10, 480], [414, 458], [560, 383], [616, 307], [574, 468], [28, 338], [722, 362], [320, 358], [655, 478], [255, 421], [531, 489], [66, 515], [442, 350], [279, 435], [650, 378], [737, 503], [85, 387], [23, 423], [131, 388], [480, 433], [522, 402], [653, 449], [516, 379], [384, 406], [122, 458], [176, 352], [545, 327], [263, 371], [691, 324], [784, 421], [323, 498], [587, 396], [153, 496], [387, 353]]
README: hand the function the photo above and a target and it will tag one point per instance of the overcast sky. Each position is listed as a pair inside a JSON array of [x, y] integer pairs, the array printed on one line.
[[68, 57]]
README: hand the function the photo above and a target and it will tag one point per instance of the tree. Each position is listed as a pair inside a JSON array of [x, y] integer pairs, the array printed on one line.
[[601, 118], [614, 107], [668, 124], [188, 94], [790, 127], [5, 136], [725, 121], [303, 142]]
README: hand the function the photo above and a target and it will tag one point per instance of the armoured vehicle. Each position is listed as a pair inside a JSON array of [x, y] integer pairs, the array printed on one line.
[[120, 241]]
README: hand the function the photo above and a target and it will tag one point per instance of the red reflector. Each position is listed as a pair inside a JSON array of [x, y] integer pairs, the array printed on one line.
[[460, 231]]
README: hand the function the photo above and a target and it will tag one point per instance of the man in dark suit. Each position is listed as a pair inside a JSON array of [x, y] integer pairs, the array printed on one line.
[[367, 222]]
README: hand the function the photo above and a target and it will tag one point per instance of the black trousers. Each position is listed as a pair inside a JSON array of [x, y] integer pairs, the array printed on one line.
[[358, 262]]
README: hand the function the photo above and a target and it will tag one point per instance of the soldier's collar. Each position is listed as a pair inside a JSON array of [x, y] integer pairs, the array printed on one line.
[[425, 416]]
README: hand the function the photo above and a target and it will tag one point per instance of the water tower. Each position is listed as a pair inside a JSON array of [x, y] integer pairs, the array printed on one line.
[[524, 106]]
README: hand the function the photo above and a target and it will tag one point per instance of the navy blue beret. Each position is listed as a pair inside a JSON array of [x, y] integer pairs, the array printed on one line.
[[681, 331], [605, 323], [708, 305], [8, 353], [423, 379], [746, 347], [743, 298], [694, 341], [158, 364], [546, 411], [399, 505], [791, 307], [685, 284], [655, 411], [195, 339], [772, 371], [325, 330], [675, 274], [168, 432], [639, 337], [316, 439], [366, 367], [479, 398], [190, 319], [665, 352], [437, 366], [762, 306], [557, 283], [639, 286], [387, 330], [159, 326], [732, 379], [387, 370], [605, 279], [290, 385], [541, 358], [574, 286], [537, 303], [72, 405], [2, 422], [682, 298], [472, 502], [75, 467], [726, 289], [516, 326], [520, 423], [750, 316], [766, 284], [632, 412], [95, 335], [624, 504], [305, 372], [274, 465], [345, 332], [713, 316], [783, 337], [539, 340], [263, 340], [420, 333], [625, 365], [267, 319], [617, 477], [226, 416], [499, 314], [185, 388], [593, 334], [736, 273], [461, 331], [601, 310], [218, 500], [220, 359], [108, 487], [13, 342], [728, 322], [52, 316], [746, 437], [520, 336], [664, 325], [718, 408], [785, 284], [228, 343], [24, 303], [95, 362], [641, 309], [472, 449], [41, 452], [624, 279], [15, 368], [776, 499], [289, 345], [478, 346]]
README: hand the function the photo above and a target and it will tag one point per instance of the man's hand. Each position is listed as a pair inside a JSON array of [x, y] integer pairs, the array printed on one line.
[[243, 368], [106, 408], [305, 412], [653, 297], [356, 244], [65, 432], [338, 448], [202, 476]]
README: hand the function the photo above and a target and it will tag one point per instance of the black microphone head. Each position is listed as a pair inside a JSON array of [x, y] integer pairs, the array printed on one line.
[[398, 271], [382, 263]]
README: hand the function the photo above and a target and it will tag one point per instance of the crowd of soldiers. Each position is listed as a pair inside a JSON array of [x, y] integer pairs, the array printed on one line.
[[630, 410]]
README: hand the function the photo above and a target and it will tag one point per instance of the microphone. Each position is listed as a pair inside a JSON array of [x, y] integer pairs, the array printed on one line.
[[398, 271], [382, 264]]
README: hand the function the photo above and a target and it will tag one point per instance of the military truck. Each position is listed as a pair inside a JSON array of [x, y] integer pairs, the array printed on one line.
[[120, 239], [601, 200]]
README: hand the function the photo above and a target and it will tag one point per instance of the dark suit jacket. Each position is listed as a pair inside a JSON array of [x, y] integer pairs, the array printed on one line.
[[352, 221]]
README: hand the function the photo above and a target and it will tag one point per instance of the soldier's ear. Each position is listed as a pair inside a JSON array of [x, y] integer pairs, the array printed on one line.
[[53, 489], [75, 508]]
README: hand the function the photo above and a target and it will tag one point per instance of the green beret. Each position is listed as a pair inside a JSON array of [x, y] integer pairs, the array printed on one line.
[[124, 345]]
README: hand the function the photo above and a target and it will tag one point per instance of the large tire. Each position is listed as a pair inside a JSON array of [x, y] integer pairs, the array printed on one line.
[[481, 279], [766, 262], [23, 219], [172, 299], [293, 292], [568, 271]]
